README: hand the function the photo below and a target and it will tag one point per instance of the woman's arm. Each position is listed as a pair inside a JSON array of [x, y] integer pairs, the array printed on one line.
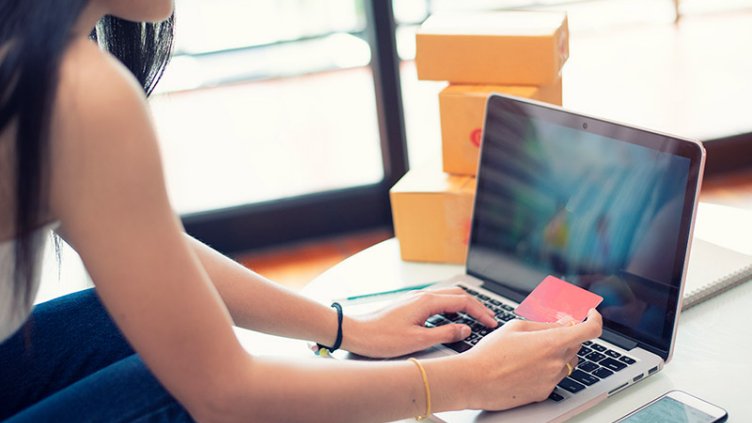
[[258, 304], [109, 194]]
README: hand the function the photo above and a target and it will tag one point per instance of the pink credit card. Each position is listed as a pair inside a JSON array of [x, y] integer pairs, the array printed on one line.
[[554, 299]]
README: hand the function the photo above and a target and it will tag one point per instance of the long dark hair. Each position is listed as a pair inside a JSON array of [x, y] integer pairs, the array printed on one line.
[[33, 37]]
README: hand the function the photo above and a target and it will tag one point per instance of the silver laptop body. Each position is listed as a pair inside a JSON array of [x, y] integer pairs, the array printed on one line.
[[605, 206]]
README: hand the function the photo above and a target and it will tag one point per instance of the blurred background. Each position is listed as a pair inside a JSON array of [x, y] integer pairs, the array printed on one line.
[[284, 121], [308, 110]]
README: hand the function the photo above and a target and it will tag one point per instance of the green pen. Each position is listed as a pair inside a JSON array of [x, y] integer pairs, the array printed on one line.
[[391, 291]]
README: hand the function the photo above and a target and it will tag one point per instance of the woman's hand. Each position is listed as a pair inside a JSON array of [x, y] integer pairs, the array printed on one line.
[[400, 328], [523, 361]]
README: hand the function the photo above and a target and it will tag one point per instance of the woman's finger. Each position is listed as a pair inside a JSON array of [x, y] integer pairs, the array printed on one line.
[[445, 334], [569, 367], [591, 328], [436, 303], [572, 350]]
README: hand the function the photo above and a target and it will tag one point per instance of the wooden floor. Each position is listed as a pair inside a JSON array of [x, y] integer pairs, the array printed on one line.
[[733, 190], [295, 265]]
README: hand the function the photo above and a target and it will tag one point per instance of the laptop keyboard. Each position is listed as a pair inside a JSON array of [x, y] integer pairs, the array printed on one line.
[[597, 362]]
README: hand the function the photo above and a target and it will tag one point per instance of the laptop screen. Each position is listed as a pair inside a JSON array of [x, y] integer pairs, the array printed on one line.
[[603, 206]]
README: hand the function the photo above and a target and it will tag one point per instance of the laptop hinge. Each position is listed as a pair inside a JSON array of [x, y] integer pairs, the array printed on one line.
[[618, 340]]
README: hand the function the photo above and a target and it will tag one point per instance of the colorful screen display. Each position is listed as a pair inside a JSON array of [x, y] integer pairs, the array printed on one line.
[[606, 208]]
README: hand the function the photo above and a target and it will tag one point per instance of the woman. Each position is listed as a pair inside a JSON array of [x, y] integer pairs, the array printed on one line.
[[79, 154]]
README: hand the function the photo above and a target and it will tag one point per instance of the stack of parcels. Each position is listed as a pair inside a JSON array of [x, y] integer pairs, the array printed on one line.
[[515, 53]]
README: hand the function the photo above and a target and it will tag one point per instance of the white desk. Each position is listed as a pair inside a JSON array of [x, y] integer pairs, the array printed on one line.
[[713, 358]]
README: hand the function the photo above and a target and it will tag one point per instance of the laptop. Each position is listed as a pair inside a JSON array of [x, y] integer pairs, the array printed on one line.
[[605, 206]]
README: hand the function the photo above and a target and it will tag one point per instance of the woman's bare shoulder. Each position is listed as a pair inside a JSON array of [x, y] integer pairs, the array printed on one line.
[[94, 87], [101, 131]]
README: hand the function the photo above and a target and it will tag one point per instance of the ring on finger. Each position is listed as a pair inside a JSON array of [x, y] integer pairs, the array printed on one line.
[[570, 369]]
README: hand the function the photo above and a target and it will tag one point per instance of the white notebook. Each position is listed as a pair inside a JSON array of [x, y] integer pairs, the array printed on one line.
[[712, 270], [721, 256]]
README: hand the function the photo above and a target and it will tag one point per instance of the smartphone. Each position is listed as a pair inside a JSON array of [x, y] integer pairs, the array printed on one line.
[[676, 407]]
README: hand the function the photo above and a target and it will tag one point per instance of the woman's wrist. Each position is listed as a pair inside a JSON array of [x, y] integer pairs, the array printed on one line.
[[450, 379], [353, 335], [332, 346]]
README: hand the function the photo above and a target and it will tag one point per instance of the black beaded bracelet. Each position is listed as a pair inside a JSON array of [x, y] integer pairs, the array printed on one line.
[[338, 341]]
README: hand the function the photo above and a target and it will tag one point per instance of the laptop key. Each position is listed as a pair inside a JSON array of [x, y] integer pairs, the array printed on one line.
[[555, 396], [612, 364], [583, 377], [571, 385], [603, 373], [584, 351], [598, 347], [460, 346], [436, 319], [507, 307], [504, 316], [465, 321], [595, 357], [587, 366], [627, 360], [612, 354], [586, 343]]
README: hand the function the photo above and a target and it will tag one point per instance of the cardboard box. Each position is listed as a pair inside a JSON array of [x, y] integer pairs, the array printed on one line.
[[462, 109], [496, 48], [431, 212]]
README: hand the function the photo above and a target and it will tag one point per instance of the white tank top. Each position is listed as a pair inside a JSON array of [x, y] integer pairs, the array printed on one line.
[[13, 315]]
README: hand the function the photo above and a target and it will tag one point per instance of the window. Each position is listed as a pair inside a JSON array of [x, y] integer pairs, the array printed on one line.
[[283, 119], [269, 107]]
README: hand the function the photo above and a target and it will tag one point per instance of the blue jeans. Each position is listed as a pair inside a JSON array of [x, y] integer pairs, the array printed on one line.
[[71, 363]]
